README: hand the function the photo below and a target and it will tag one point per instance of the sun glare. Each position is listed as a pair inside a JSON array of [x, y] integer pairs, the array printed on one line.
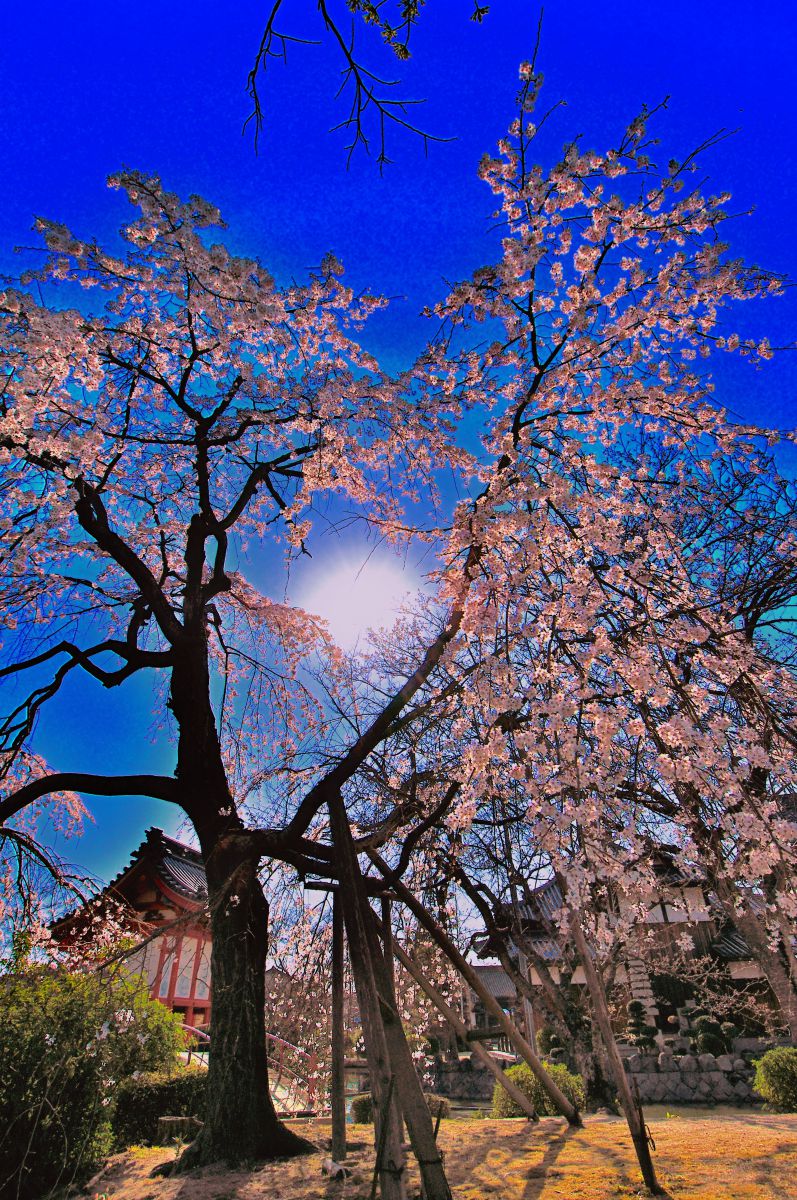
[[354, 596]]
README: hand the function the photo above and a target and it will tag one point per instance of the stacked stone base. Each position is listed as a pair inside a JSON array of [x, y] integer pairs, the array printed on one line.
[[667, 1078], [468, 1081], [663, 1078]]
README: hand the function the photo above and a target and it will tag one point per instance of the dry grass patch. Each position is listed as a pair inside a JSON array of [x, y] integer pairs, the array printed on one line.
[[703, 1155]]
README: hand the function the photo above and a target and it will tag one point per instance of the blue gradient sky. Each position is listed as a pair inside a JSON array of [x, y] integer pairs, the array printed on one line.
[[160, 86]]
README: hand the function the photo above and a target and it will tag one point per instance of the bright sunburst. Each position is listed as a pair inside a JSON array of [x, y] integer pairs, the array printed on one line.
[[354, 596]]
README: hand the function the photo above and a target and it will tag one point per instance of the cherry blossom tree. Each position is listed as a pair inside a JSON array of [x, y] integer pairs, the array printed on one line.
[[574, 645], [608, 632], [202, 408]]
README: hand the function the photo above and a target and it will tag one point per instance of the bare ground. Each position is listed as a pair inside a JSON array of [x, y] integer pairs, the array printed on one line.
[[700, 1155]]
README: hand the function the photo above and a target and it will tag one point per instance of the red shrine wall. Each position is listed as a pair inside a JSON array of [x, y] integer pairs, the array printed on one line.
[[177, 969], [175, 964]]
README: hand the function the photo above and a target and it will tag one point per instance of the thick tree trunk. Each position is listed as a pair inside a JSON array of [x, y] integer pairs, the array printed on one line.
[[588, 1063], [240, 1122], [770, 959]]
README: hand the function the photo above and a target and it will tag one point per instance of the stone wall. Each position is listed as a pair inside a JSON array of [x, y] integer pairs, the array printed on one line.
[[667, 1078], [662, 1078], [467, 1081]]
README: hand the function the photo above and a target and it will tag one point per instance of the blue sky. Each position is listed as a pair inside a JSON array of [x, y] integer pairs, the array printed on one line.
[[160, 86]]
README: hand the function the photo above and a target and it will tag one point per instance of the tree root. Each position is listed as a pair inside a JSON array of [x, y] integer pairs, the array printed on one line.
[[286, 1144]]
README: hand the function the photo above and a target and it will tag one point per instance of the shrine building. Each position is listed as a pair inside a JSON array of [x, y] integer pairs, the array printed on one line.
[[163, 887]]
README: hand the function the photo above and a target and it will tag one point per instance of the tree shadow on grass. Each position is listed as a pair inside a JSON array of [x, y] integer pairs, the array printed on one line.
[[768, 1170], [631, 1176], [538, 1174]]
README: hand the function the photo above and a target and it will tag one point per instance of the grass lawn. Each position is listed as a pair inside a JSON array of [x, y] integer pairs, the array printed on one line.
[[719, 1154]]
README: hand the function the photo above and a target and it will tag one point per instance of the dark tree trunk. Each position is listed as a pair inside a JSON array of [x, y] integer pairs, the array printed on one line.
[[771, 959], [241, 1124], [599, 1091], [337, 1084]]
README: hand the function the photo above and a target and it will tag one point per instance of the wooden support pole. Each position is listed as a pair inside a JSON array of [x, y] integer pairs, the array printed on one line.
[[387, 945], [391, 1162], [632, 1111], [383, 1030], [520, 1098], [525, 1051], [338, 1071]]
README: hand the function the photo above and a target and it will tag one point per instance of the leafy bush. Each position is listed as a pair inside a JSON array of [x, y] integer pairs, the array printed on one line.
[[65, 1042], [362, 1107], [707, 1037], [141, 1101], [521, 1075], [776, 1078]]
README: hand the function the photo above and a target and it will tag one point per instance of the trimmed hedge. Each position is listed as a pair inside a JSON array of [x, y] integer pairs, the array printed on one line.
[[572, 1085], [141, 1102], [362, 1107], [776, 1078]]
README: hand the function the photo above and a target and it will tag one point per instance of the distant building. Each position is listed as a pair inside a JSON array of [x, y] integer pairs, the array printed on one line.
[[678, 905], [164, 888]]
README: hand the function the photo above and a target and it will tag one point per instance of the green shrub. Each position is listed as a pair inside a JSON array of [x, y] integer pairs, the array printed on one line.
[[66, 1040], [362, 1107], [141, 1101], [776, 1078], [521, 1075], [548, 1040], [707, 1037]]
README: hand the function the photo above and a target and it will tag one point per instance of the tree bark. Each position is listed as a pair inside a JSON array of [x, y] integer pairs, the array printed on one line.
[[240, 1122], [387, 949], [770, 959], [774, 966]]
